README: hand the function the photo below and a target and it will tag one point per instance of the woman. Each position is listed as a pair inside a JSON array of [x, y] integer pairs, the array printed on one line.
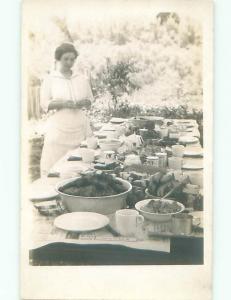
[[67, 94]]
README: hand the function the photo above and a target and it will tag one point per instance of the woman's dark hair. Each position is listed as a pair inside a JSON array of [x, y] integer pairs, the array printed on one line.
[[65, 48]]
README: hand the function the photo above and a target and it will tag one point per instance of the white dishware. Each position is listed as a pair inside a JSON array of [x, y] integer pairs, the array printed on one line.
[[97, 126], [81, 221], [193, 151], [103, 205], [134, 140], [192, 166], [111, 134], [182, 223], [88, 155], [195, 177], [174, 135], [117, 120], [110, 131], [100, 135], [157, 217], [128, 221], [43, 189], [175, 163], [92, 142], [132, 159], [178, 150], [187, 139], [153, 161], [163, 159]]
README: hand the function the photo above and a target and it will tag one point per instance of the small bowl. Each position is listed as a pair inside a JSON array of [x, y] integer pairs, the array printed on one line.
[[154, 217]]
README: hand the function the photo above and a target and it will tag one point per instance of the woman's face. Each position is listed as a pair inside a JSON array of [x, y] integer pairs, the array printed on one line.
[[67, 60]]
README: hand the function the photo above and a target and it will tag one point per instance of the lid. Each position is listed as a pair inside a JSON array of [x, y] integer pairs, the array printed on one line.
[[161, 154], [152, 157], [109, 152]]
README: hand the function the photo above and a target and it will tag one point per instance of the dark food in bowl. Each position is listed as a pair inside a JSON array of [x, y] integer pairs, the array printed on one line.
[[161, 207], [106, 166], [94, 184]]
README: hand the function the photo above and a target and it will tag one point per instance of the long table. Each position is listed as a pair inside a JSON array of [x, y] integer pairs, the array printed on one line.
[[52, 246]]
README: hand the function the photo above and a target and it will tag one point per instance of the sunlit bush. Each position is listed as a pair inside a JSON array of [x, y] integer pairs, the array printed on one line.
[[151, 63]]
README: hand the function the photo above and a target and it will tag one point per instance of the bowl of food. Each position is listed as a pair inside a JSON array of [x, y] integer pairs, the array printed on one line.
[[159, 210], [94, 191], [111, 144]]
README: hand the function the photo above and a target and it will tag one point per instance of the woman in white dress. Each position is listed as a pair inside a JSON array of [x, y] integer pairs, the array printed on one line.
[[67, 94]]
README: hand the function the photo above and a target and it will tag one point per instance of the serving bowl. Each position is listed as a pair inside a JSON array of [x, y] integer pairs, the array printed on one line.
[[156, 217], [103, 205]]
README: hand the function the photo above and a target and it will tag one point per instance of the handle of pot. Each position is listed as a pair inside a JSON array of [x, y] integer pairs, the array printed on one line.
[[196, 221], [139, 220]]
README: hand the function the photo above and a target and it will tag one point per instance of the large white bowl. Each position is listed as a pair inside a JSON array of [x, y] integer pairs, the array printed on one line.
[[103, 205], [154, 217]]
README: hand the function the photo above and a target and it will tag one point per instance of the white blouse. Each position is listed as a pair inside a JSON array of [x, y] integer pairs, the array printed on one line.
[[57, 87]]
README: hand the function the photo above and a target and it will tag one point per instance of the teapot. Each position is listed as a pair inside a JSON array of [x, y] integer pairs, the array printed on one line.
[[132, 159], [134, 140]]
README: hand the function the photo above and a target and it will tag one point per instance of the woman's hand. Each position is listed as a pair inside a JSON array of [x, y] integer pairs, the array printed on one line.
[[70, 104], [83, 103], [61, 104]]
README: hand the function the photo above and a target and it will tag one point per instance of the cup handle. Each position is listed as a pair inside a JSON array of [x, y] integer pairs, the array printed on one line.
[[139, 220], [196, 221]]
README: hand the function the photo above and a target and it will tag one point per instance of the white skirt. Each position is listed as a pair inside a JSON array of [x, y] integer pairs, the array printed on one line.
[[66, 129]]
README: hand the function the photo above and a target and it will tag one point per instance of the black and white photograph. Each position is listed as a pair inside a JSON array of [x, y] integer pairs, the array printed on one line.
[[115, 145]]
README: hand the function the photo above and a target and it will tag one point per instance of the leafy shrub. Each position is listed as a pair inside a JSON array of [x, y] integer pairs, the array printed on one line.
[[115, 79]]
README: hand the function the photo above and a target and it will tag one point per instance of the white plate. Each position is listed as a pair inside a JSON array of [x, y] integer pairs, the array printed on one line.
[[81, 221], [183, 121], [43, 188], [188, 139], [117, 120], [191, 166], [193, 151]]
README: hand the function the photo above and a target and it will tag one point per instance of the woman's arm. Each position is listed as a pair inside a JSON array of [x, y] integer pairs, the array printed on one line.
[[45, 93], [86, 103], [88, 98], [46, 98]]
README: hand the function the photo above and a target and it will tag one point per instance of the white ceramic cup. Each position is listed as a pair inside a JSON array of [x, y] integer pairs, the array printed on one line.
[[196, 178], [178, 150], [182, 223], [175, 163], [88, 155], [128, 221], [92, 142]]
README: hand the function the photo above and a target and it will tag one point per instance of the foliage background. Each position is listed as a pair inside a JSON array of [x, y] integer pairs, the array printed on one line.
[[135, 65]]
